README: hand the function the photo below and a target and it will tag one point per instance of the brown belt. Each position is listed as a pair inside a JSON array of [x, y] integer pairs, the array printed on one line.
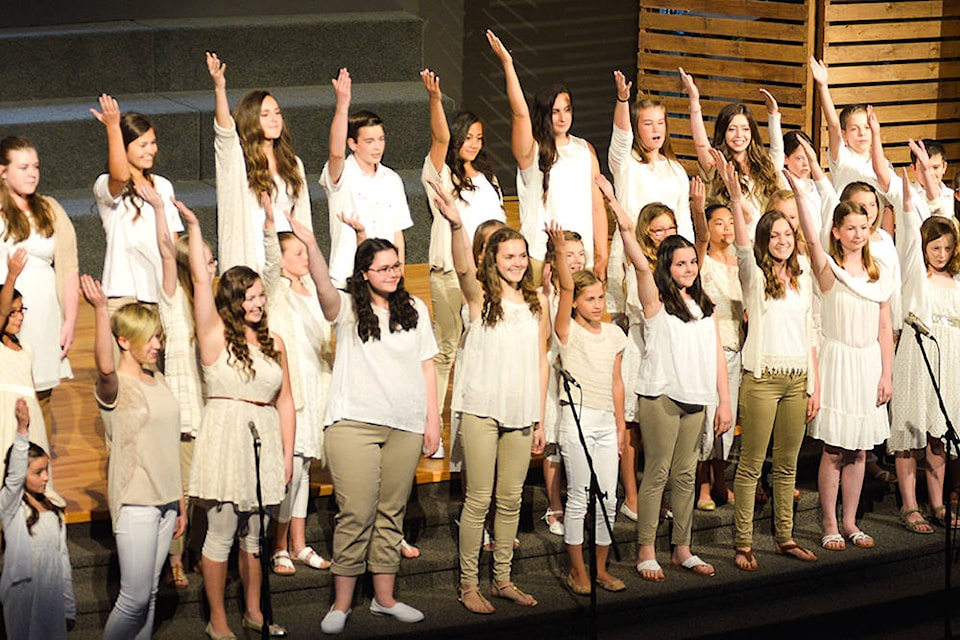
[[254, 402]]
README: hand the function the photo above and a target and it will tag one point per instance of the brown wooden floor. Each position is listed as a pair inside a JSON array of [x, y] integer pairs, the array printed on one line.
[[80, 456]]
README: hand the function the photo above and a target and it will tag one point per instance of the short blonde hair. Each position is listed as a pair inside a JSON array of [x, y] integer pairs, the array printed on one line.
[[136, 322]]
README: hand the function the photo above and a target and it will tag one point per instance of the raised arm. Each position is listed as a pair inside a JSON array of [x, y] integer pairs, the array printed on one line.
[[207, 321], [338, 127], [16, 261], [11, 495], [460, 247], [439, 130], [217, 70], [697, 128], [818, 257], [649, 294], [601, 248], [522, 142], [109, 117], [168, 256], [621, 113], [879, 161], [774, 130], [728, 173], [819, 72], [106, 383], [925, 175], [561, 324], [326, 292], [698, 211]]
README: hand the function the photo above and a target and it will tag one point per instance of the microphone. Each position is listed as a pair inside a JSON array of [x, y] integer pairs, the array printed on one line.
[[569, 379], [253, 430], [918, 325]]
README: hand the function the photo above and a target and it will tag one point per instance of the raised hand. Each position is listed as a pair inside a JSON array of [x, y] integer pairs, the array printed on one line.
[[445, 204], [188, 216], [267, 203], [555, 233], [217, 69], [501, 51], [301, 231], [93, 292], [342, 87], [872, 120], [689, 85], [352, 220], [431, 82], [818, 70], [109, 114], [23, 416], [624, 222], [772, 106], [149, 195], [728, 173], [623, 87], [16, 261], [698, 195]]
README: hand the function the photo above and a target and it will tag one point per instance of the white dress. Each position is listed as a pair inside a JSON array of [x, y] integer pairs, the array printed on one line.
[[312, 334], [16, 381], [850, 363]]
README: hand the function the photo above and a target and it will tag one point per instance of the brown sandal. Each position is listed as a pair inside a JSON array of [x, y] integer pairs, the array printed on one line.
[[473, 601], [518, 597], [751, 562], [793, 550]]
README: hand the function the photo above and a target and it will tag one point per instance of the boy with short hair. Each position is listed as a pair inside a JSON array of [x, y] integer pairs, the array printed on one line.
[[942, 206]]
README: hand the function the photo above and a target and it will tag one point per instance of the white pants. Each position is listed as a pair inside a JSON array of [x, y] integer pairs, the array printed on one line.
[[295, 503], [143, 540], [224, 523], [600, 434]]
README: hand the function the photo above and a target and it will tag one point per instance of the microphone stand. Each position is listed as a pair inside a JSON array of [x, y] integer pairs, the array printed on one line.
[[266, 608], [595, 495], [952, 441]]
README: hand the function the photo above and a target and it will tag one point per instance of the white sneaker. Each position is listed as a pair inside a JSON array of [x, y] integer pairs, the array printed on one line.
[[628, 513], [402, 612], [335, 620], [440, 452]]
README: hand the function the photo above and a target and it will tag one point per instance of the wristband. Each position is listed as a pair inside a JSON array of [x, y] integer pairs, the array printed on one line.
[[619, 99], [455, 227]]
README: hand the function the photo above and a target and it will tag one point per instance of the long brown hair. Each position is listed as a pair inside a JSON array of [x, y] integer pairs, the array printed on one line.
[[673, 302], [759, 165], [132, 126], [843, 210], [403, 313], [459, 128], [259, 179], [16, 224], [489, 278], [773, 288], [648, 214], [934, 228], [541, 119], [35, 451], [230, 295]]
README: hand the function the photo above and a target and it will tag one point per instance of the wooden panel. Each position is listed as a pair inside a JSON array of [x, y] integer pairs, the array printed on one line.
[[793, 75], [887, 51], [779, 31], [905, 30], [791, 95], [703, 46], [751, 8], [898, 9]]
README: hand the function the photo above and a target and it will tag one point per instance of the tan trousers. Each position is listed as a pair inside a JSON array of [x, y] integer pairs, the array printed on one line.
[[671, 448], [498, 458], [186, 459], [447, 300], [772, 405], [373, 469]]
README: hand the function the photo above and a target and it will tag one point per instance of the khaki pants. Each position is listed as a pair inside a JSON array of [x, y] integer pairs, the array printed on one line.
[[671, 447], [186, 459], [373, 469], [774, 404], [447, 300], [491, 455]]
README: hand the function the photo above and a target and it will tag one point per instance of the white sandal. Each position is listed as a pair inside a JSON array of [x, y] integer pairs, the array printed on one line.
[[281, 564], [555, 527], [312, 559]]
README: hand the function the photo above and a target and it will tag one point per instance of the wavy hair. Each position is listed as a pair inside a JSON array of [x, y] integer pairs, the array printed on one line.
[[934, 228], [541, 119], [132, 126], [459, 128], [669, 291], [489, 277], [648, 214], [773, 288], [643, 155], [17, 226], [759, 166], [484, 230], [34, 452], [843, 210], [246, 115], [230, 296], [403, 313]]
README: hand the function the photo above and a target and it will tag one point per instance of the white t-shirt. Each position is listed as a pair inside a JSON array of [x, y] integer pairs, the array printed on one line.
[[380, 381], [131, 264], [379, 201]]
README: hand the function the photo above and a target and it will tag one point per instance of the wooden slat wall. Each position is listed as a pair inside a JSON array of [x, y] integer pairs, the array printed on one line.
[[904, 58], [733, 48]]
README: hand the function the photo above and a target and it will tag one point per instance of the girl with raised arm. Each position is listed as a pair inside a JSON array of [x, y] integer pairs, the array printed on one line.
[[247, 383], [254, 152], [49, 280], [555, 169], [139, 415], [132, 267], [500, 394], [737, 136], [679, 320], [855, 364], [381, 413]]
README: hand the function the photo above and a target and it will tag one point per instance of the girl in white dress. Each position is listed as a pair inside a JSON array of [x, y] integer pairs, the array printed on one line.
[[254, 153], [855, 364], [49, 281], [555, 170]]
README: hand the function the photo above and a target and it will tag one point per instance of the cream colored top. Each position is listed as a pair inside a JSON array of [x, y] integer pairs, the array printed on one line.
[[182, 359], [722, 284], [589, 357]]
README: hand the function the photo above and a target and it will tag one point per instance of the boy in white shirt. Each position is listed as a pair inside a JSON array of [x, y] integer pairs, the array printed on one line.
[[942, 206], [359, 188]]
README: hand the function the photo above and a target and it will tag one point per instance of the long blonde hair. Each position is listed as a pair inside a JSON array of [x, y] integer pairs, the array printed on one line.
[[16, 224]]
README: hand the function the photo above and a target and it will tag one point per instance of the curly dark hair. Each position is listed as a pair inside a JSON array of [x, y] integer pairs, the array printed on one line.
[[773, 288], [673, 302], [759, 165], [489, 278], [35, 451], [403, 313], [231, 293], [459, 128], [541, 119]]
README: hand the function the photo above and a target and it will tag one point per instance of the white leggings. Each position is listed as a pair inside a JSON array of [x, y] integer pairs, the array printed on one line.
[[224, 523], [600, 434], [295, 502], [143, 536]]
